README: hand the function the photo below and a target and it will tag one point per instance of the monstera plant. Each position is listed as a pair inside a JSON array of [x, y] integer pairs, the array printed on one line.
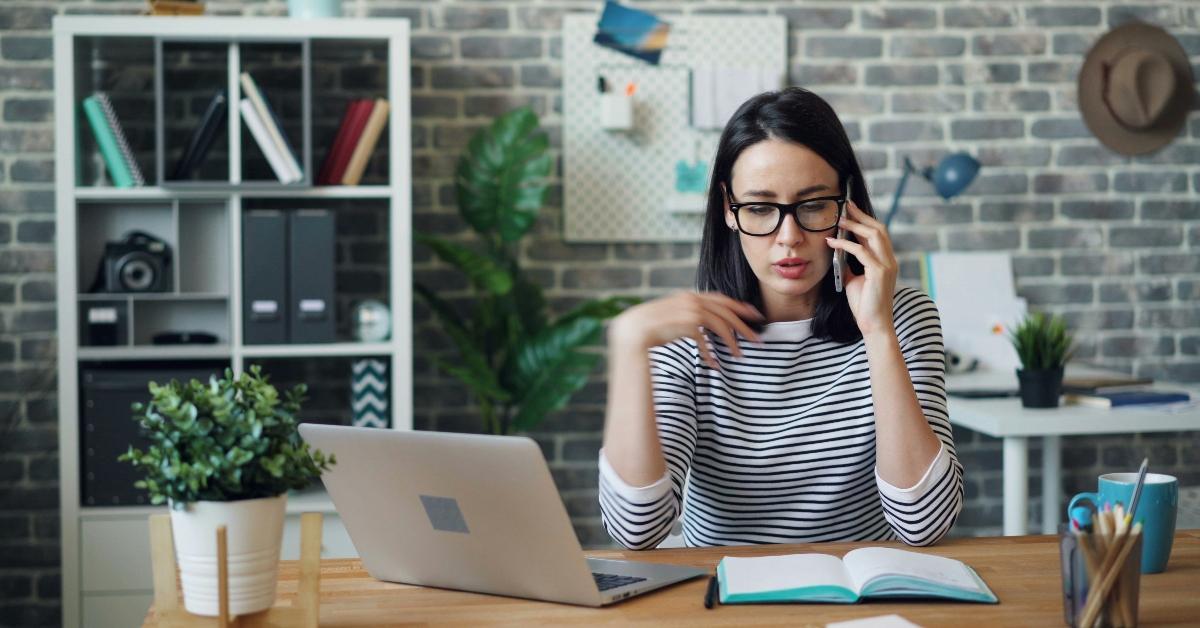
[[518, 362]]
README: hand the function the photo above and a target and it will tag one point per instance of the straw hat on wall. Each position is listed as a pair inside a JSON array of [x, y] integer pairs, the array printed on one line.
[[1136, 88]]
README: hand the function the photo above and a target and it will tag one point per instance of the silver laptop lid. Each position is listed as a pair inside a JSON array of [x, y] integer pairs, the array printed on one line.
[[457, 511]]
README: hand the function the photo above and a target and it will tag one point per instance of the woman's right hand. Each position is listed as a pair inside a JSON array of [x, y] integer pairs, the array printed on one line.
[[686, 315]]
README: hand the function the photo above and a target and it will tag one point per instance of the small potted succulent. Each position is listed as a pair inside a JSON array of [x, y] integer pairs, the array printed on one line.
[[1044, 346], [225, 452]]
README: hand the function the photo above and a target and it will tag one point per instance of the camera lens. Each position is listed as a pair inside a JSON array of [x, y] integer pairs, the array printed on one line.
[[137, 272]]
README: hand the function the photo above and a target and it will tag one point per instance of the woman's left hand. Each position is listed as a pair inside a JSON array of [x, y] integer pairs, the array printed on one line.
[[870, 294]]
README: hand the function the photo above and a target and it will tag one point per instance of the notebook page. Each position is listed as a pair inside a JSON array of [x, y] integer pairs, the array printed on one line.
[[789, 571], [869, 562]]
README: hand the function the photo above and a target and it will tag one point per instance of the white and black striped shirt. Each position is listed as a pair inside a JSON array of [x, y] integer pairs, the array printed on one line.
[[779, 446]]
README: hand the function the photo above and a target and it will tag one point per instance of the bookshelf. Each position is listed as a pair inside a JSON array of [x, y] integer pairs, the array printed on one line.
[[158, 72]]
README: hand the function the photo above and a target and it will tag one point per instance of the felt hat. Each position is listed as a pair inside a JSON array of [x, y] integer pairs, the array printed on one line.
[[1136, 88]]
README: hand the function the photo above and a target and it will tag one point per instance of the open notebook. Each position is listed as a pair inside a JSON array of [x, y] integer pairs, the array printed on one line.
[[869, 572]]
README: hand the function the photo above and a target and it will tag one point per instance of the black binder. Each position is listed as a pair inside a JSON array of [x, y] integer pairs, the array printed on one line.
[[264, 277], [311, 276]]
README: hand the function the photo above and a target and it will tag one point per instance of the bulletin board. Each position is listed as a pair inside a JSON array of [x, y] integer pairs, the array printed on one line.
[[620, 186]]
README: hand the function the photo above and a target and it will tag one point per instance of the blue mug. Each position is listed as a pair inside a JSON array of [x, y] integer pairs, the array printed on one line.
[[1156, 510]]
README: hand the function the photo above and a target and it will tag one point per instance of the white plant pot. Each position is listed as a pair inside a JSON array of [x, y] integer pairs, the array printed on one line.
[[254, 530]]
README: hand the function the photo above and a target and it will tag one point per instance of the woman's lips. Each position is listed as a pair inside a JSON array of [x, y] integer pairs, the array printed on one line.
[[790, 270]]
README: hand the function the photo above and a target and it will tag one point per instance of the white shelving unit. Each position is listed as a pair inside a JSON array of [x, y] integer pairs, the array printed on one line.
[[105, 550]]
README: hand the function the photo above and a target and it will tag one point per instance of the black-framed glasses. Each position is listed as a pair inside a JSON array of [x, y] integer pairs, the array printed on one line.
[[761, 218]]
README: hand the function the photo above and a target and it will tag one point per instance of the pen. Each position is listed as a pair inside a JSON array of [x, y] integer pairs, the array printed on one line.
[[711, 595], [1137, 490]]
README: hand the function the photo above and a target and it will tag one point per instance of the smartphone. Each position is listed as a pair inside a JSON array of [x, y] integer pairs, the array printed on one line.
[[839, 256]]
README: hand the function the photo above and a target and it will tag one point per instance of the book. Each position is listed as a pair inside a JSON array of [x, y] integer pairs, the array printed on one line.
[[1104, 384], [366, 143], [110, 116], [263, 138], [339, 139], [110, 150], [202, 137], [340, 156], [868, 572], [267, 116], [1127, 398]]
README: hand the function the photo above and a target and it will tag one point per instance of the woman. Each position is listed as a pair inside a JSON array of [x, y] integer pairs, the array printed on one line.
[[770, 407]]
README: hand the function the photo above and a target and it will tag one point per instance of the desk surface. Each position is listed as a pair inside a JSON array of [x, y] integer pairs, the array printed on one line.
[[1006, 417], [1022, 571]]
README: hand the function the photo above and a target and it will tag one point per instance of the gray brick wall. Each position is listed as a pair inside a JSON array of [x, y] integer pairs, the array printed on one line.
[[1108, 241]]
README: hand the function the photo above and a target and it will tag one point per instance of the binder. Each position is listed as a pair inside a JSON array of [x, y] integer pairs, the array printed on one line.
[[264, 277], [311, 276]]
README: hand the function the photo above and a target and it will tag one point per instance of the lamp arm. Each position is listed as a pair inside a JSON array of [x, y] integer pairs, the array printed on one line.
[[908, 169]]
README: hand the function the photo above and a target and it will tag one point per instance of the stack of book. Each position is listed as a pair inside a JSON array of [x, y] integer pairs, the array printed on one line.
[[264, 125], [110, 137], [361, 126], [1116, 392]]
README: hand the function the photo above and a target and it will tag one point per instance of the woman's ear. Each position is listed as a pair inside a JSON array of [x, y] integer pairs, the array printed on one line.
[[730, 219]]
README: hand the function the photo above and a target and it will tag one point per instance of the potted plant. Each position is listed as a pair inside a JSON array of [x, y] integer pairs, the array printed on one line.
[[1043, 345], [225, 452], [519, 363]]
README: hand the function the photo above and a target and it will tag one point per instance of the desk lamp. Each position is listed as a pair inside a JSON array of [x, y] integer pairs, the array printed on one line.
[[950, 177]]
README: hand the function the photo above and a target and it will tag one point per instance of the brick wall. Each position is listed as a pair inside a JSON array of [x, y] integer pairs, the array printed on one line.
[[1108, 241]]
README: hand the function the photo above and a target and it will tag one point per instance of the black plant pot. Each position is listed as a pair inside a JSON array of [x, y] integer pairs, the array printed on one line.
[[1041, 388]]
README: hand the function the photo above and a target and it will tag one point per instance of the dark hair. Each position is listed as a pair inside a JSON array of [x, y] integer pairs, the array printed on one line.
[[796, 115]]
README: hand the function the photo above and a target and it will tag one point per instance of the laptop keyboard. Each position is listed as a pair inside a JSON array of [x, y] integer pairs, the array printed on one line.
[[608, 581]]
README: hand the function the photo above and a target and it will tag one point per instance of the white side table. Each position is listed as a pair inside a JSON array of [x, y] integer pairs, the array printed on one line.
[[1007, 419]]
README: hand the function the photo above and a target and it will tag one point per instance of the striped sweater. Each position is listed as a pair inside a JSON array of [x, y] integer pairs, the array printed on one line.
[[779, 446]]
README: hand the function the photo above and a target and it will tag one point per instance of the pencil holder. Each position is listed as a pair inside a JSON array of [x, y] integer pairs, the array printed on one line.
[[1120, 606], [616, 111]]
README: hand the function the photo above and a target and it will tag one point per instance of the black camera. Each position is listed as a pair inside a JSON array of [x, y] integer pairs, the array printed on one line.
[[139, 262]]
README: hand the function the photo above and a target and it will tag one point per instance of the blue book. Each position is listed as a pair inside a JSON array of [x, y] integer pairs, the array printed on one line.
[[864, 573], [1127, 398]]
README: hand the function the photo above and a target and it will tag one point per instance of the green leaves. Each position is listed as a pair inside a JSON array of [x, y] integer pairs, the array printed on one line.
[[484, 272], [500, 180], [224, 440], [1042, 342], [519, 364]]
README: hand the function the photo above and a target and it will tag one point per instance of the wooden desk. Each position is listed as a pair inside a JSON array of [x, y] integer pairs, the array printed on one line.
[[1022, 571]]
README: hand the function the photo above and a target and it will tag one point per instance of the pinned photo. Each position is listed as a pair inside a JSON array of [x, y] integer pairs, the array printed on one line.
[[633, 32]]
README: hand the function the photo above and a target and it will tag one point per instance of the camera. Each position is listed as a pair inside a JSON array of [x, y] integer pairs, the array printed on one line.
[[138, 262]]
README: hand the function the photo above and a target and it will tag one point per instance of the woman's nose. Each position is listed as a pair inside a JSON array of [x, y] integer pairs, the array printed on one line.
[[789, 231]]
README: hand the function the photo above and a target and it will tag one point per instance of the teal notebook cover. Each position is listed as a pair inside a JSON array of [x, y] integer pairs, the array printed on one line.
[[107, 142], [866, 573]]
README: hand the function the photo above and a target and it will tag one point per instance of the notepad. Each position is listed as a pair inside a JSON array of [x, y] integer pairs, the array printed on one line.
[[869, 572]]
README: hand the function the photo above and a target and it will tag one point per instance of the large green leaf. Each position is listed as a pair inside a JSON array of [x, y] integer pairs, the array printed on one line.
[[542, 357], [500, 180], [482, 270], [446, 314], [553, 390], [530, 305], [481, 382], [475, 370]]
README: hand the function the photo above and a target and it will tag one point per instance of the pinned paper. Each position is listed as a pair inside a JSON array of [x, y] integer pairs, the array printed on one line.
[[718, 91], [977, 302]]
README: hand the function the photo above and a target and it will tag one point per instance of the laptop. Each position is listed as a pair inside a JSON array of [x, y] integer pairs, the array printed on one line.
[[469, 512]]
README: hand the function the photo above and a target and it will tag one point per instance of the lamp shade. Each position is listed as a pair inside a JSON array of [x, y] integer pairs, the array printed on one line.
[[953, 174]]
